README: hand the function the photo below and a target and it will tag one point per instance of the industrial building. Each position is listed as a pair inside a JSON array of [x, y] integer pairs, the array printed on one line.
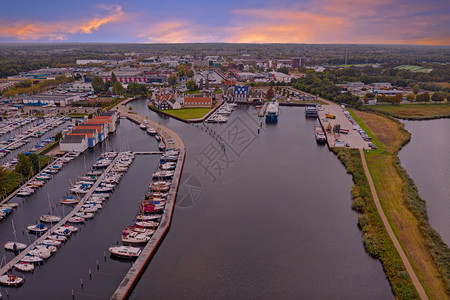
[[56, 100]]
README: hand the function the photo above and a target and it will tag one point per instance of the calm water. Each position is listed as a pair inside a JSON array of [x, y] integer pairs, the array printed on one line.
[[268, 218], [425, 158]]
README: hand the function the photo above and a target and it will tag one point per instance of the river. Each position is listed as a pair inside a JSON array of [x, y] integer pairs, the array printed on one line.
[[269, 217], [425, 158]]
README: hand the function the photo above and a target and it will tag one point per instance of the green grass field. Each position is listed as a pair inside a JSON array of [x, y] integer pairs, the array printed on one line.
[[188, 113], [414, 68], [418, 111]]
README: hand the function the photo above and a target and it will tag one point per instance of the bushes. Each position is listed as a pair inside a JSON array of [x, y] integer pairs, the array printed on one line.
[[438, 249], [376, 240]]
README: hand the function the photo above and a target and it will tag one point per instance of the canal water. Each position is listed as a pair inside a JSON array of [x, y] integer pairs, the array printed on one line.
[[268, 217], [425, 158]]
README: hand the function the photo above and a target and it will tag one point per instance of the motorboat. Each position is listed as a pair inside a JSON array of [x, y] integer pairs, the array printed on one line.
[[143, 126], [76, 220], [25, 191], [138, 229], [147, 224], [38, 228], [64, 232], [90, 209], [69, 200], [157, 195], [163, 174], [103, 189], [49, 242], [57, 237], [49, 219], [151, 131], [41, 252], [32, 260], [51, 248], [11, 280], [168, 158], [126, 252], [167, 166], [85, 215], [14, 246], [162, 146], [160, 186], [24, 267], [319, 134], [148, 217], [135, 238]]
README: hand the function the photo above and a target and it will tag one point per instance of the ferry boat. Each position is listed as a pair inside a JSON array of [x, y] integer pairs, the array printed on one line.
[[311, 112], [272, 112], [319, 134]]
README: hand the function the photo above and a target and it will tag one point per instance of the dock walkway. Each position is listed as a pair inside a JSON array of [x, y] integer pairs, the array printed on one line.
[[32, 133]]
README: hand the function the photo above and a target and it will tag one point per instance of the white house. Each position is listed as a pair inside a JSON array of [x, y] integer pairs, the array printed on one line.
[[77, 143]]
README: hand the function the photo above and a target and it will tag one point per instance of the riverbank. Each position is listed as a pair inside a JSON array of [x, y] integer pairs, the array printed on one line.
[[405, 210], [422, 111], [376, 239]]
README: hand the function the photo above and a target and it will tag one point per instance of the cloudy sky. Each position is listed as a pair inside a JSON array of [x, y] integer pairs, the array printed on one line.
[[242, 21]]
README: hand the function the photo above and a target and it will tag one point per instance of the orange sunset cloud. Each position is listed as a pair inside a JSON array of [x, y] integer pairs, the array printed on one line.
[[34, 30], [268, 26]]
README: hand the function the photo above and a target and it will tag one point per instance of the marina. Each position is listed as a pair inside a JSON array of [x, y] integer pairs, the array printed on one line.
[[46, 233]]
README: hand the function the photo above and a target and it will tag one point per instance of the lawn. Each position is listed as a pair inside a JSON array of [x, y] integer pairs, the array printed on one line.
[[188, 113], [192, 92], [415, 111], [386, 133], [407, 218]]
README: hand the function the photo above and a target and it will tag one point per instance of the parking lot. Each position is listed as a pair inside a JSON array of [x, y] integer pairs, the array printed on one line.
[[352, 140]]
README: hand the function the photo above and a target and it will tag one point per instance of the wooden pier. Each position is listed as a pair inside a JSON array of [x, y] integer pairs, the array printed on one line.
[[63, 221]]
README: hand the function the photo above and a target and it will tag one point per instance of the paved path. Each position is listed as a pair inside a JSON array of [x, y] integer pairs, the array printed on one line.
[[388, 227]]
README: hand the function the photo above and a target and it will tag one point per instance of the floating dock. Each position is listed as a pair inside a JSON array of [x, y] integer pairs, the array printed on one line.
[[63, 221]]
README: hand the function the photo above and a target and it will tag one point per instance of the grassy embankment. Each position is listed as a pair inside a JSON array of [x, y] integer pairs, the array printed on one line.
[[405, 210], [188, 113], [414, 111]]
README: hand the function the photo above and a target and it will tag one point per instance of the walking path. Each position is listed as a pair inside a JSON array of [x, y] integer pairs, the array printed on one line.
[[388, 227]]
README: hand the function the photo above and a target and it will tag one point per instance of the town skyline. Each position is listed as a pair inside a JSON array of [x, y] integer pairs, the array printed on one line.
[[301, 22]]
